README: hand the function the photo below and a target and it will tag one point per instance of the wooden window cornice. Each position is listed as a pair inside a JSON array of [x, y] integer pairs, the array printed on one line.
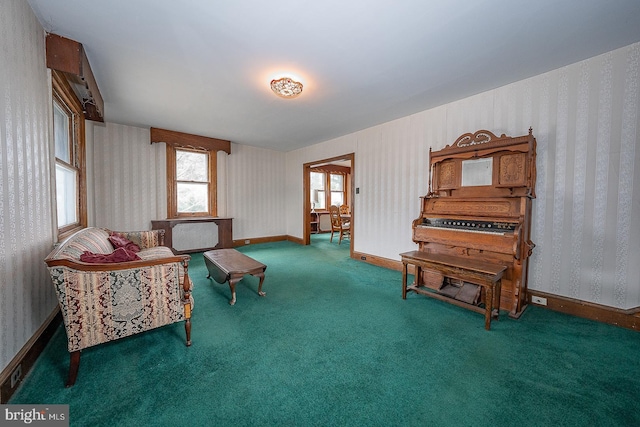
[[69, 58], [187, 140]]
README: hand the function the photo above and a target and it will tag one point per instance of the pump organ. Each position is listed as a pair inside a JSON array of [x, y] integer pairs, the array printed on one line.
[[478, 209]]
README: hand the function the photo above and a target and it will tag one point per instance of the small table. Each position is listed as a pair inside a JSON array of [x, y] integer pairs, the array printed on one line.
[[230, 265]]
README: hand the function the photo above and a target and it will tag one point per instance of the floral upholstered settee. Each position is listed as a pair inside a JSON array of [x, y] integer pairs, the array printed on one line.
[[104, 298]]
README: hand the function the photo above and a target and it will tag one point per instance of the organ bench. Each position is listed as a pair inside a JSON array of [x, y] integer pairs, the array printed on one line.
[[474, 276]]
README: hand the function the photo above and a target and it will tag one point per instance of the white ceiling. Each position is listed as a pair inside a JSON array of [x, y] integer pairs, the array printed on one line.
[[204, 66]]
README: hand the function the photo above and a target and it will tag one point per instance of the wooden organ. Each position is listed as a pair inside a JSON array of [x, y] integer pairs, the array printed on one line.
[[477, 210]]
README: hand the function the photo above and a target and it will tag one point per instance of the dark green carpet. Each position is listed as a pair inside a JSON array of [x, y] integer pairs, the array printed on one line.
[[333, 343]]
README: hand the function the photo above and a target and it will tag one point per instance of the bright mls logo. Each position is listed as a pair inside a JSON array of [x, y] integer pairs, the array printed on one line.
[[39, 415]]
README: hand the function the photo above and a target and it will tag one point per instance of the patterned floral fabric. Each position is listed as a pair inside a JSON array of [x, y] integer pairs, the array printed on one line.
[[101, 306], [94, 240], [144, 239]]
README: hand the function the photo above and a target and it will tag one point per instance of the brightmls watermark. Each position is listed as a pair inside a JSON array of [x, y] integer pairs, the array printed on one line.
[[37, 415]]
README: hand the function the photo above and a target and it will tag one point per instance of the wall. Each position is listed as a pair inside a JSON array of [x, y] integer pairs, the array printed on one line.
[[586, 121], [27, 297], [255, 191], [129, 183], [129, 177]]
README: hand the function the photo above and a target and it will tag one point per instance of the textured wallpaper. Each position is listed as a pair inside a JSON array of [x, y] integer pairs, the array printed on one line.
[[586, 121], [255, 192], [26, 232], [129, 178], [129, 183]]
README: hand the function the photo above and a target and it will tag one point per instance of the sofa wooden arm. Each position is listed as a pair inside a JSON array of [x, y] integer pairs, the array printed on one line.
[[86, 266]]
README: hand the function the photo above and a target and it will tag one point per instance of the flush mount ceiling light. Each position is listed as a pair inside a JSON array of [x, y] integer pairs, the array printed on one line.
[[286, 87]]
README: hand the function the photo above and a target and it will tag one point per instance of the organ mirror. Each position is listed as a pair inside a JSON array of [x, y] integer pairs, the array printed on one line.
[[477, 172]]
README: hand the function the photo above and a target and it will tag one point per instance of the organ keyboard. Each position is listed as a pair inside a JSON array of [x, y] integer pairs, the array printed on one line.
[[468, 225], [478, 208]]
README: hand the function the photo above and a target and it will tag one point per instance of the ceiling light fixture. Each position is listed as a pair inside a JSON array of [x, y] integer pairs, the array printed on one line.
[[286, 87]]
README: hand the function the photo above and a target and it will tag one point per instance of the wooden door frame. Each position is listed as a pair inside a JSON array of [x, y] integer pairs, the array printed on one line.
[[306, 194]]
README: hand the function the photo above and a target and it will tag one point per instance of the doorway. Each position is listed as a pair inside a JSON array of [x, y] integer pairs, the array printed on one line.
[[344, 163]]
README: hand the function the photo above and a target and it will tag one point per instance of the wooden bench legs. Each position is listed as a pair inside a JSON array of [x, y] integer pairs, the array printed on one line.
[[489, 278], [236, 278]]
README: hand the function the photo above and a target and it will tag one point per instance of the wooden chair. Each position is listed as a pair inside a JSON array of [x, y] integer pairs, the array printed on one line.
[[337, 226], [344, 210]]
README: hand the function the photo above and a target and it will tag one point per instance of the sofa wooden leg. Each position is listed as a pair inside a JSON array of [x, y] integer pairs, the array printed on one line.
[[187, 328], [186, 287], [74, 365]]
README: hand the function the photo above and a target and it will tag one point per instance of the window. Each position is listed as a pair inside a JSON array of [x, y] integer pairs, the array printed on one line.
[[318, 194], [192, 190], [192, 181], [68, 136], [66, 174], [337, 189], [191, 172], [336, 194]]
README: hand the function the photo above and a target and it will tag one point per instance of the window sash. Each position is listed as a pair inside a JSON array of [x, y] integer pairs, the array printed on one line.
[[191, 182], [192, 197], [336, 181], [337, 198], [66, 195], [318, 194], [69, 164], [62, 133], [192, 166]]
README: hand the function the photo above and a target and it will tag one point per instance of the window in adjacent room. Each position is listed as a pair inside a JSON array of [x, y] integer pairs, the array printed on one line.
[[192, 190], [337, 189], [326, 189], [68, 135], [318, 193]]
